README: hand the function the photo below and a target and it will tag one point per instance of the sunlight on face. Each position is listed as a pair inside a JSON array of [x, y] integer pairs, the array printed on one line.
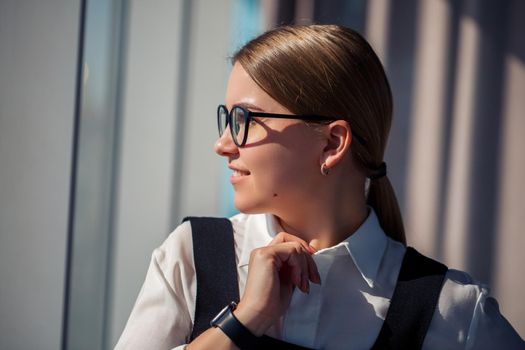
[[281, 157]]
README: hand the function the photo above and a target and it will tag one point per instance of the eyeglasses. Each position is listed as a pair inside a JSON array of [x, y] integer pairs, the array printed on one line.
[[239, 120]]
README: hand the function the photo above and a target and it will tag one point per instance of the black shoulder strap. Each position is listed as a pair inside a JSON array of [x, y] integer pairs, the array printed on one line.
[[413, 303], [216, 270], [215, 267], [411, 308]]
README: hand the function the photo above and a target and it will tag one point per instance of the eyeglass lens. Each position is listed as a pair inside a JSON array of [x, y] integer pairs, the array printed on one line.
[[222, 118], [237, 127]]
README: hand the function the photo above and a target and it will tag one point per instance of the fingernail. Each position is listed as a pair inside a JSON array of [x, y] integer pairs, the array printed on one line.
[[300, 282], [312, 249]]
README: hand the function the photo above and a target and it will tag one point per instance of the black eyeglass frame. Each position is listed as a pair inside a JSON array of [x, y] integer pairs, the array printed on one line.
[[249, 114]]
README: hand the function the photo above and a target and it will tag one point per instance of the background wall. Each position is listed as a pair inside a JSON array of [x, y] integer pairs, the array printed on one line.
[[151, 75], [38, 70], [167, 167]]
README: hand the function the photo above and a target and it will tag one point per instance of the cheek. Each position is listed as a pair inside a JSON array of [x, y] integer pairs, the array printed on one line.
[[283, 171]]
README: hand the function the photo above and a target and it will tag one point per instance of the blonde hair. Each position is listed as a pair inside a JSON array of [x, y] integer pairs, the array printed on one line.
[[331, 70]]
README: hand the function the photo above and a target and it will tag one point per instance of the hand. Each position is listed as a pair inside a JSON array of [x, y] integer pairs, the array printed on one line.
[[273, 273]]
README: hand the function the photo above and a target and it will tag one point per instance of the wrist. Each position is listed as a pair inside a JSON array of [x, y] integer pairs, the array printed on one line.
[[254, 321], [230, 325]]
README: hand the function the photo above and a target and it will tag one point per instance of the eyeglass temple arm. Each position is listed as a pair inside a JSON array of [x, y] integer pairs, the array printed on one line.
[[311, 117]]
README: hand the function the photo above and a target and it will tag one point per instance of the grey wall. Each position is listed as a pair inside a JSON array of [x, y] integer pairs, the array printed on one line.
[[38, 59], [173, 79]]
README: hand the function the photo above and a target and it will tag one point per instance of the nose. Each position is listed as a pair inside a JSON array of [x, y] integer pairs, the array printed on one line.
[[224, 146]]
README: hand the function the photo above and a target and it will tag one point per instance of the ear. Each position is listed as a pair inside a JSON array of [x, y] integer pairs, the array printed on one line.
[[338, 140]]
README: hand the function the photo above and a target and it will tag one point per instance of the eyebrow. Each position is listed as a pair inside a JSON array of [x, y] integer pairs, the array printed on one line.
[[248, 106]]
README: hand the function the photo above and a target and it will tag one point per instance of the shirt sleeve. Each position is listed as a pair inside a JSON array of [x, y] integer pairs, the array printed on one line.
[[489, 329], [161, 317]]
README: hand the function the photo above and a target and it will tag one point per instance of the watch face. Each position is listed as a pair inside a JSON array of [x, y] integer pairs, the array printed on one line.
[[220, 315], [235, 330]]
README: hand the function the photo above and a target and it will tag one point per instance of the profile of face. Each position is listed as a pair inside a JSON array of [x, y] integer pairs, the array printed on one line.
[[278, 167]]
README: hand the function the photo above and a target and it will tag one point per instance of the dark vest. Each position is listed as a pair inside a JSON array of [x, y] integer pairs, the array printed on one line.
[[411, 308]]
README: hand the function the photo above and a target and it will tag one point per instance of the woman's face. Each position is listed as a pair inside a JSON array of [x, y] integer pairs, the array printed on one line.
[[278, 168]]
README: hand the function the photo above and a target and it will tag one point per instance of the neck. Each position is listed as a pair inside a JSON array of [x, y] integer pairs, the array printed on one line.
[[326, 221]]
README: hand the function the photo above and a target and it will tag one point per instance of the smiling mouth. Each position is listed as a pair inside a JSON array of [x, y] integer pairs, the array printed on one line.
[[239, 173]]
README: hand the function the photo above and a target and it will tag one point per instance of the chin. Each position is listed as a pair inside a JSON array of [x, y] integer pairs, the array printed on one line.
[[249, 206], [247, 209]]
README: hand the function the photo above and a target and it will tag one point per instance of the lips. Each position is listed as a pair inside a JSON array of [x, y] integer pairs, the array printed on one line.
[[238, 171], [238, 174]]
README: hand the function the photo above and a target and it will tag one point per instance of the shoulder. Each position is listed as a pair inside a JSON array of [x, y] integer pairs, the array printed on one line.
[[178, 246], [467, 316], [176, 252], [453, 315], [459, 295]]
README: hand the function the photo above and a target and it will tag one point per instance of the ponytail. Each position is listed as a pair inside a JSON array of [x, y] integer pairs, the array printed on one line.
[[382, 198]]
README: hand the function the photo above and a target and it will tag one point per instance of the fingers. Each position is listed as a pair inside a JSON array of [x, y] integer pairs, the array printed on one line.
[[313, 273], [301, 263], [283, 237], [274, 272], [299, 271]]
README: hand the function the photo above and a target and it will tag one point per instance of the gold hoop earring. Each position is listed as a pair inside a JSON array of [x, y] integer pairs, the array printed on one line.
[[324, 170]]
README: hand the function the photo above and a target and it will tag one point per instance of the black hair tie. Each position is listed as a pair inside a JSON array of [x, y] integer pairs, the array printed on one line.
[[379, 172]]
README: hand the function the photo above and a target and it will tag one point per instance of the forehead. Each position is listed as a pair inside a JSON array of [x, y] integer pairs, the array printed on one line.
[[242, 89]]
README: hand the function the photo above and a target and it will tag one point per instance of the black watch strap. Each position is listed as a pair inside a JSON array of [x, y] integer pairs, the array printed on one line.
[[234, 329]]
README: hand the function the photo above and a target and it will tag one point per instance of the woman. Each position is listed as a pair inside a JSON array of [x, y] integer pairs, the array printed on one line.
[[319, 244]]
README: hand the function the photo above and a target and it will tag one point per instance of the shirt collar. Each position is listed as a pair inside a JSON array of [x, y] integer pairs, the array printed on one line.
[[366, 246], [259, 231]]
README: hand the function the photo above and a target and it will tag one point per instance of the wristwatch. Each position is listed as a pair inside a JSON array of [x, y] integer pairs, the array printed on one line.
[[234, 329]]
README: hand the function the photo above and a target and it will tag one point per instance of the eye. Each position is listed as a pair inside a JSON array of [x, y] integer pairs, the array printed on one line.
[[258, 120]]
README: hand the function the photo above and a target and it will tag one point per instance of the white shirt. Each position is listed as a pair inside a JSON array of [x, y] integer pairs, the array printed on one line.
[[345, 312]]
